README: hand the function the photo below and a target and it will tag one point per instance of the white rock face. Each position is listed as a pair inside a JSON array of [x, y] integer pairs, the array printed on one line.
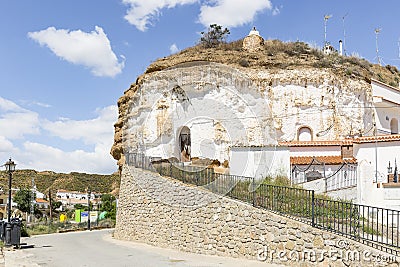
[[225, 107]]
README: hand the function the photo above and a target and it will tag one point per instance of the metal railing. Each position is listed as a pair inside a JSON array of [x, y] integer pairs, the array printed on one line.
[[344, 176], [377, 227]]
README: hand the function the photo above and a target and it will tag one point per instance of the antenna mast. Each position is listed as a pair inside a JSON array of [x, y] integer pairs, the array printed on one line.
[[398, 45], [326, 17], [377, 31], [344, 34]]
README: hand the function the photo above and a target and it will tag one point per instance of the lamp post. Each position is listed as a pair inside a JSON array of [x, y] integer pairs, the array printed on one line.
[[10, 168], [88, 226]]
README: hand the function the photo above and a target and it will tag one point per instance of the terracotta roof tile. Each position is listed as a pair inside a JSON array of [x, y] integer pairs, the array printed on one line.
[[332, 160], [41, 200], [379, 138], [315, 143]]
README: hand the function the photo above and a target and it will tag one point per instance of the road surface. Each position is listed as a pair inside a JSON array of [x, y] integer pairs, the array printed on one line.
[[98, 248]]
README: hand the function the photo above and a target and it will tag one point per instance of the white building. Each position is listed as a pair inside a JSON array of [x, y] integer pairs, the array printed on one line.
[[386, 103], [260, 162], [72, 197]]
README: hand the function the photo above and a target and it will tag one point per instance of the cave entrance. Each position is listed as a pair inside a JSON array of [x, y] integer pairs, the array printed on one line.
[[185, 144]]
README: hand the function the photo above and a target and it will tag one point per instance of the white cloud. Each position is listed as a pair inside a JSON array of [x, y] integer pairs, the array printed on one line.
[[141, 13], [24, 133], [40, 104], [228, 13], [232, 13], [173, 49], [95, 131], [5, 145], [15, 121], [7, 105], [43, 157], [276, 11], [92, 50]]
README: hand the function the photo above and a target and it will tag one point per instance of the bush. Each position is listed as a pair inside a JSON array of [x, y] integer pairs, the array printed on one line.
[[244, 63], [24, 231], [215, 36]]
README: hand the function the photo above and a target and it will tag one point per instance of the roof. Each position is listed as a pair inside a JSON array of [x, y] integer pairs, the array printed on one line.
[[379, 138], [384, 84], [41, 200], [72, 192], [314, 143], [330, 160], [344, 142], [348, 142]]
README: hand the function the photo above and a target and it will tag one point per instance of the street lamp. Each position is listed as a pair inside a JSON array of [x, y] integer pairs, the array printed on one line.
[[89, 209], [10, 168]]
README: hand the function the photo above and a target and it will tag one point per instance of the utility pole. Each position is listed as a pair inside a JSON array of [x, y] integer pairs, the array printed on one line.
[[88, 210], [376, 153], [33, 199], [51, 213]]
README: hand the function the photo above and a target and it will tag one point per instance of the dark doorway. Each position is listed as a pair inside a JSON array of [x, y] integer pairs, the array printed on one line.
[[185, 144]]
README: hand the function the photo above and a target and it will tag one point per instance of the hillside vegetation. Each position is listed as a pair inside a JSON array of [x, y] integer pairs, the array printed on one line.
[[73, 181], [276, 54]]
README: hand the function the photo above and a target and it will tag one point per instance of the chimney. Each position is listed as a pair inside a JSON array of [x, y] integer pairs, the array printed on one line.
[[340, 47]]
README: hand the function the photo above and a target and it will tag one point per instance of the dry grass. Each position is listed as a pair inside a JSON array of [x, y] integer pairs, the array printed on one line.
[[276, 54]]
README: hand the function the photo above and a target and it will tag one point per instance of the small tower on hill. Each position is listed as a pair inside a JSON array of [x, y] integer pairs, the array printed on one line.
[[253, 41]]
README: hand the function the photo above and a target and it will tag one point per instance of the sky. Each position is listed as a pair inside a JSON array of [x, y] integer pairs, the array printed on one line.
[[64, 64]]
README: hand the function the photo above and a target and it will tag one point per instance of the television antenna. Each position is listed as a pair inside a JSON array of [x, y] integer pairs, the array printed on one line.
[[377, 31], [344, 34], [326, 17], [398, 45]]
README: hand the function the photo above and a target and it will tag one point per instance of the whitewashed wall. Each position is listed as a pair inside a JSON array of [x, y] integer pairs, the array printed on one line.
[[386, 103], [310, 151], [374, 194], [260, 162], [386, 151]]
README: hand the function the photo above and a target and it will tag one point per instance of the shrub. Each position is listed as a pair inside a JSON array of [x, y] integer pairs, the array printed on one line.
[[244, 63], [214, 36]]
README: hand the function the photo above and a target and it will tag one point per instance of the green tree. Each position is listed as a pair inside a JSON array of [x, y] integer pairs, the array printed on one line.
[[23, 199], [55, 205], [214, 36], [109, 205], [80, 207]]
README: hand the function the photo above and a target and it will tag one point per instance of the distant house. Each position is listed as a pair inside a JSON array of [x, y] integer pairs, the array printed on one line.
[[71, 198], [42, 203], [64, 195]]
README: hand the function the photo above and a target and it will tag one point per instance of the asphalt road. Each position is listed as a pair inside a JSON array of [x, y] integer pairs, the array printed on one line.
[[98, 248]]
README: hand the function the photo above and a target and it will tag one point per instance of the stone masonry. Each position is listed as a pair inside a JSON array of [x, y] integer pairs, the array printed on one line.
[[167, 213]]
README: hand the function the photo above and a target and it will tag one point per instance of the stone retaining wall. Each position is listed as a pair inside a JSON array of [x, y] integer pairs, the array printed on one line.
[[166, 213]]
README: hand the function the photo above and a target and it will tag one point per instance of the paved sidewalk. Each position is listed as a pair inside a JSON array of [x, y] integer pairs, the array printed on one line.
[[55, 249], [191, 259]]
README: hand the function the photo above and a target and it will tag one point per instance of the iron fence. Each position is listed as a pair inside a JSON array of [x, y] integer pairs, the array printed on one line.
[[377, 227], [343, 176]]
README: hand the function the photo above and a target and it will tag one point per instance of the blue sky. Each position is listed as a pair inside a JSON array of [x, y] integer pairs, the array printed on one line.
[[64, 64]]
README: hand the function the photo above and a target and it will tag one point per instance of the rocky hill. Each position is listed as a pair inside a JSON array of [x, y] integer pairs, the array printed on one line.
[[279, 63], [73, 181]]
